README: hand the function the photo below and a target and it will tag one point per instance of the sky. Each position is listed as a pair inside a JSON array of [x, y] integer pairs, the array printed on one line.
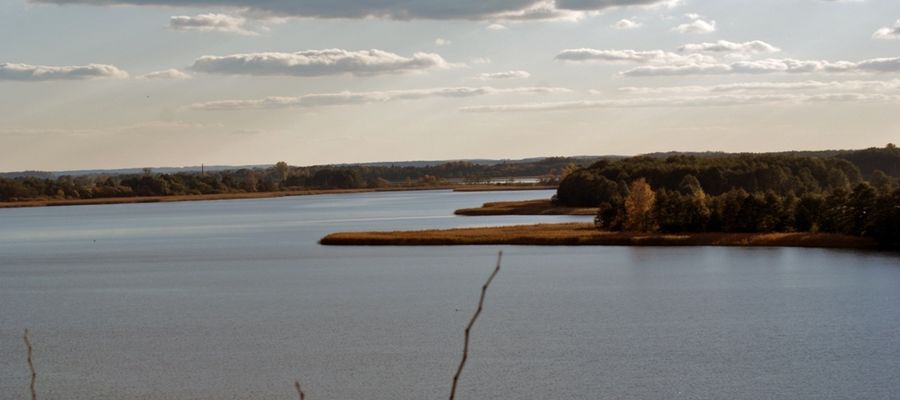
[[88, 84]]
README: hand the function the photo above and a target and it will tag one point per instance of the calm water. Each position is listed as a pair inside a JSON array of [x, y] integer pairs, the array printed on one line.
[[235, 300]]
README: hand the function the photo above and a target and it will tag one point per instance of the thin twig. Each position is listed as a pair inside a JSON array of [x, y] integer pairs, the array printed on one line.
[[30, 365], [465, 355], [299, 391]]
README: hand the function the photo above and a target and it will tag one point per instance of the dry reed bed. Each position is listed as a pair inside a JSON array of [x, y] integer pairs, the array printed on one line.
[[527, 207], [584, 234]]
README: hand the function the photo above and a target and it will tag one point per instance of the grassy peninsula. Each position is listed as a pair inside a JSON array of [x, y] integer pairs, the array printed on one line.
[[584, 234], [527, 207]]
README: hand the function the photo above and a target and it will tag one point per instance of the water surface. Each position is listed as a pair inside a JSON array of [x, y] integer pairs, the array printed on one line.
[[235, 300]]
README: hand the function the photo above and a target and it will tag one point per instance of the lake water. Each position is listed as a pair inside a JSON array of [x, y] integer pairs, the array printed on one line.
[[236, 300]]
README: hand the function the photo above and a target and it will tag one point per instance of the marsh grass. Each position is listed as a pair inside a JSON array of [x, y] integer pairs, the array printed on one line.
[[526, 207], [585, 234]]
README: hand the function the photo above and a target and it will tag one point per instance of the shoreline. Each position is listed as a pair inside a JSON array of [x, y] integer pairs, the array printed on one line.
[[526, 207], [251, 195], [584, 234]]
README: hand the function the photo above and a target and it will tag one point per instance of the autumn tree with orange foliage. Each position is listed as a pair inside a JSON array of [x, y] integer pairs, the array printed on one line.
[[639, 207]]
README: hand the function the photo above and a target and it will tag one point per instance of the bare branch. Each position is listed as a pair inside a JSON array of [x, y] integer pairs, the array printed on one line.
[[30, 365], [299, 391], [465, 355]]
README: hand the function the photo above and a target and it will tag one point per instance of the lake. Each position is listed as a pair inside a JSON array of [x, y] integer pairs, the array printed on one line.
[[236, 300]]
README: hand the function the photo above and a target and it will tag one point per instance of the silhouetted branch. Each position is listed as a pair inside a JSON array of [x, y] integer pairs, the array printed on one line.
[[299, 391], [30, 365], [465, 355]]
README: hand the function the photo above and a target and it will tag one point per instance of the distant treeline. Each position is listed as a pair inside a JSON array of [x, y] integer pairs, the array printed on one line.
[[745, 193], [280, 177]]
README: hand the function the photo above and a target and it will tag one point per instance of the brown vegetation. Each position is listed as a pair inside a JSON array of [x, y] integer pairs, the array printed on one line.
[[577, 234], [527, 207]]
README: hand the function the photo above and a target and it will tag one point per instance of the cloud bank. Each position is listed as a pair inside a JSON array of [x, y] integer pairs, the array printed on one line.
[[34, 73], [740, 50], [768, 66], [347, 98], [631, 56], [319, 63], [688, 101], [504, 75], [211, 23], [165, 74], [888, 32], [626, 24], [698, 25], [395, 9]]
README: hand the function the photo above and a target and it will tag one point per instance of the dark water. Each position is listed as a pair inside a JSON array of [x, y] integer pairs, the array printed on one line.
[[235, 300]]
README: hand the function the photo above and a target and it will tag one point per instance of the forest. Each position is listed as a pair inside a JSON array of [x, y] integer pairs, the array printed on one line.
[[848, 193], [279, 177]]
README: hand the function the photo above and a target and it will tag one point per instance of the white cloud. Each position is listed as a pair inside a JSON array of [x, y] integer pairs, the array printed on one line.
[[687, 101], [26, 72], [397, 9], [698, 25], [626, 24], [166, 74], [835, 86], [768, 66], [211, 23], [739, 50], [504, 75], [497, 27], [319, 63], [628, 55], [347, 98], [888, 32], [442, 42]]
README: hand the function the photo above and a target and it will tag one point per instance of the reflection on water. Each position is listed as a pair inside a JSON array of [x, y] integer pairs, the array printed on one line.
[[235, 300]]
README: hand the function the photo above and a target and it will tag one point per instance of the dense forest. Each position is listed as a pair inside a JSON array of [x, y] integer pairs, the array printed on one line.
[[854, 193], [280, 177]]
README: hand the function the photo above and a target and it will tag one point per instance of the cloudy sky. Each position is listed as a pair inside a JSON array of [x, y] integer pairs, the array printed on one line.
[[134, 83]]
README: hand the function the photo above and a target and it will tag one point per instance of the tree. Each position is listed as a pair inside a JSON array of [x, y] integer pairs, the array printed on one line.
[[639, 207], [585, 189], [281, 171], [885, 222], [609, 216], [860, 207], [808, 212], [568, 170], [883, 183]]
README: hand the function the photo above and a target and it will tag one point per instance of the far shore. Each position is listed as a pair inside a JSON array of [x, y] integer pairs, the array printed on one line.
[[501, 187], [256, 195], [584, 234], [527, 207]]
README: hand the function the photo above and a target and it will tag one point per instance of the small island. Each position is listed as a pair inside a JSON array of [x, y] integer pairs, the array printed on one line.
[[585, 234], [526, 207]]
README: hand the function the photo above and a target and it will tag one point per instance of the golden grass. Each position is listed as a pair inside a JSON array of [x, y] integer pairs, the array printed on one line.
[[582, 234], [527, 207]]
